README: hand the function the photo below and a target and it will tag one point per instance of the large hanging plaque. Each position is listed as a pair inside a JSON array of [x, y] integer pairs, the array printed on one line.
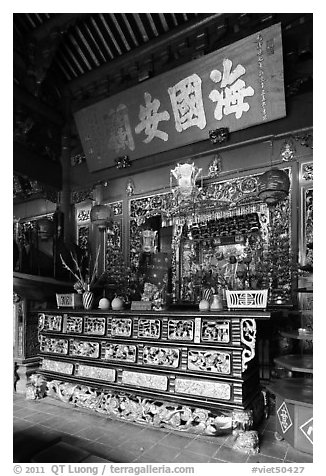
[[236, 87]]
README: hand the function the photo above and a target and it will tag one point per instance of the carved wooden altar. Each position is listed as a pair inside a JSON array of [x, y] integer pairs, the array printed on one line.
[[187, 370]]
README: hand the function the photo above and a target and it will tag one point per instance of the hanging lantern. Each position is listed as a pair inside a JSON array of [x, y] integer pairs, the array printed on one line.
[[101, 216], [273, 186], [45, 228]]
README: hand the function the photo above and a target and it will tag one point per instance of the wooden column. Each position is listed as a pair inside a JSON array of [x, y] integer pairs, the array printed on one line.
[[26, 360], [98, 236], [66, 185]]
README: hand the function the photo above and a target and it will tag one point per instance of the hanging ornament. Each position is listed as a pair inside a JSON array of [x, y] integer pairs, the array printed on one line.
[[122, 162], [287, 150], [218, 136], [273, 186]]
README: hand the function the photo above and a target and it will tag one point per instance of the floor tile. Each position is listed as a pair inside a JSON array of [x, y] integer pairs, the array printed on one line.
[[60, 452], [150, 437], [174, 441], [121, 455], [94, 459], [188, 457], [202, 448], [269, 446], [20, 425], [26, 443], [97, 449], [142, 459], [225, 453], [26, 413], [259, 458], [91, 432], [122, 441], [298, 456], [213, 460], [161, 453]]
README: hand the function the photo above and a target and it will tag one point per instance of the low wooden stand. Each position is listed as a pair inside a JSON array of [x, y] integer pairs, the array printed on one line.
[[294, 397], [294, 412]]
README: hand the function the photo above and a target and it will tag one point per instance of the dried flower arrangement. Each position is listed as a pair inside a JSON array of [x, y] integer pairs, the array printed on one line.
[[83, 283]]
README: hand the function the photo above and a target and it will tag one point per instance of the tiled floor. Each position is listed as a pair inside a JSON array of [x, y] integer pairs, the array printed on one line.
[[50, 431]]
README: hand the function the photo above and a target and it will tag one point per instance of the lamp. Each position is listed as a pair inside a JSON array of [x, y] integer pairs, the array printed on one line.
[[45, 228], [189, 202], [100, 216], [273, 186]]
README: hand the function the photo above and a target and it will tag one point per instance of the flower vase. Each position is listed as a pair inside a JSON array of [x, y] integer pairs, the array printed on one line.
[[88, 300], [217, 303], [207, 294]]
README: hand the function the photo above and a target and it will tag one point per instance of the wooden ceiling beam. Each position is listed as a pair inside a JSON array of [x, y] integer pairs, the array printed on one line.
[[150, 48], [35, 167], [59, 22]]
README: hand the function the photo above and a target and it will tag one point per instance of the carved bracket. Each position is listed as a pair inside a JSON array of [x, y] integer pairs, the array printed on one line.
[[248, 337]]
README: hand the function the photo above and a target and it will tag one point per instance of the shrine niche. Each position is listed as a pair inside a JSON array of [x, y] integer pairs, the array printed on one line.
[[227, 241]]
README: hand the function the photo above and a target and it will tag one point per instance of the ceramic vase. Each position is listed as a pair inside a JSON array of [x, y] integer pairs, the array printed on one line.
[[207, 294], [217, 303], [117, 304], [104, 304], [204, 305], [88, 300]]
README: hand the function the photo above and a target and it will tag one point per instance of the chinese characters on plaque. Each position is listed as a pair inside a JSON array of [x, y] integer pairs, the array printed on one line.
[[179, 107]]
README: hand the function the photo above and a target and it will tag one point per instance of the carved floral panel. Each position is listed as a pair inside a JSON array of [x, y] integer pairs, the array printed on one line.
[[49, 322], [138, 379], [60, 367], [149, 328], [84, 348], [307, 172], [113, 246], [116, 207], [209, 361], [94, 325], [99, 373], [123, 352], [73, 324], [161, 356], [215, 331], [180, 329], [202, 388], [83, 237], [121, 327], [51, 344]]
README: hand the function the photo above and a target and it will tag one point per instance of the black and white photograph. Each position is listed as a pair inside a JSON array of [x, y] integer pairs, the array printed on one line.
[[162, 241]]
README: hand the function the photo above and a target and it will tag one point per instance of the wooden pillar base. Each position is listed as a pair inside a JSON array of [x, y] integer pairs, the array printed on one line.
[[22, 371]]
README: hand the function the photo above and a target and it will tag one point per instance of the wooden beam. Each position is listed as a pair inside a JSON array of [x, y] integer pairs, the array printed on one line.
[[39, 168], [35, 105], [59, 22], [143, 51]]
